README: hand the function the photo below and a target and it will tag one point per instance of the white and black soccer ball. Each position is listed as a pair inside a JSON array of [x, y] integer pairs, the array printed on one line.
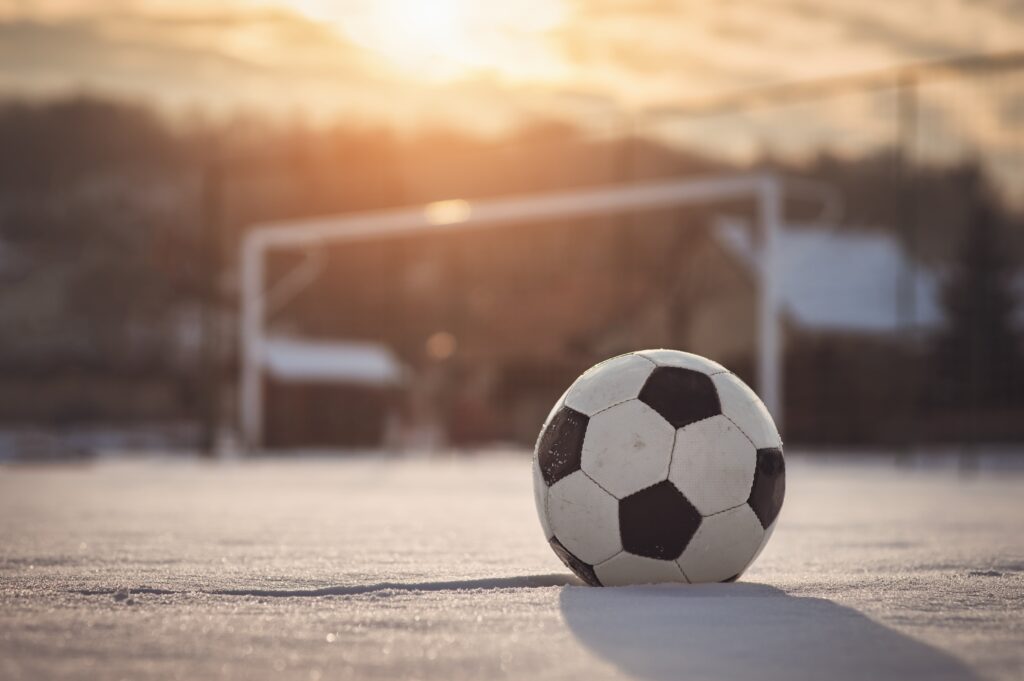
[[658, 466]]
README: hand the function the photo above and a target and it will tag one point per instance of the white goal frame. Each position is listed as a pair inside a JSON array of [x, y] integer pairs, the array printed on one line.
[[764, 188]]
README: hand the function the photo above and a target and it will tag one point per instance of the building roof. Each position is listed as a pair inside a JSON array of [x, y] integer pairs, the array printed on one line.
[[849, 281], [294, 359]]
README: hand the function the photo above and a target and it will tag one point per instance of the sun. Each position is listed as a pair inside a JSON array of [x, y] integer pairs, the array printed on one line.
[[448, 39], [433, 34]]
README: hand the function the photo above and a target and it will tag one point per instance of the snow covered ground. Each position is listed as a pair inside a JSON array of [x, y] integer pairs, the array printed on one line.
[[437, 569]]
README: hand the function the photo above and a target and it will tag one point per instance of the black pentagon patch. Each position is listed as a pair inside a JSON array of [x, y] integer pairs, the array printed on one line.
[[681, 396], [657, 522], [769, 486], [584, 571], [561, 444]]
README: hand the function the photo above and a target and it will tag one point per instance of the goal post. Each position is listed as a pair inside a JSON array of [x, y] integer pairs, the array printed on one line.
[[764, 188]]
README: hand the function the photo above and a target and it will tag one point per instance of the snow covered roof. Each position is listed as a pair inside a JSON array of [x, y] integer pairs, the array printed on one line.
[[296, 359], [841, 280]]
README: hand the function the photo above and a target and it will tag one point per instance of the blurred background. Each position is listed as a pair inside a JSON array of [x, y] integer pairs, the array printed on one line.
[[140, 141]]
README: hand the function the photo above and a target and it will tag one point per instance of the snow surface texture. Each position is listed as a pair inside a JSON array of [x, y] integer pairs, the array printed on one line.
[[322, 569]]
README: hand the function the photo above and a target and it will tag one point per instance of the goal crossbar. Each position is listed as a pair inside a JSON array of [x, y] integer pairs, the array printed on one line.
[[764, 188]]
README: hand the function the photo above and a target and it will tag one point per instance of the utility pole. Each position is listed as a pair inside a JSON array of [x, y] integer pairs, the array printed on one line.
[[906, 303]]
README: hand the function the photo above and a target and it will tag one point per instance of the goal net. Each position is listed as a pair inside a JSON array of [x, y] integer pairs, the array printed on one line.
[[279, 261]]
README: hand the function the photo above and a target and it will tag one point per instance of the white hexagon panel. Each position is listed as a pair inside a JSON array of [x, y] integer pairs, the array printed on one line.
[[764, 542], [746, 410], [609, 383], [627, 568], [627, 448], [584, 518], [713, 464], [723, 547], [683, 360]]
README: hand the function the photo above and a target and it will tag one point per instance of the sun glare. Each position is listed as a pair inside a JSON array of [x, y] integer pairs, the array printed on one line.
[[410, 32], [447, 39]]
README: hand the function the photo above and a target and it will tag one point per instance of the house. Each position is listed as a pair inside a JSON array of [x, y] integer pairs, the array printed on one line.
[[853, 345], [856, 312], [330, 394]]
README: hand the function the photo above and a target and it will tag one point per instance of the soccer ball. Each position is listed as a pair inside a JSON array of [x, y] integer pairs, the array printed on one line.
[[658, 466]]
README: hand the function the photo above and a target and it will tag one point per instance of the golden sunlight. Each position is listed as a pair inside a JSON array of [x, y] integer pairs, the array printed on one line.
[[449, 39]]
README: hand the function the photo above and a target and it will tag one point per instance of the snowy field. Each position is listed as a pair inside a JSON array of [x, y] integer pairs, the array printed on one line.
[[366, 569]]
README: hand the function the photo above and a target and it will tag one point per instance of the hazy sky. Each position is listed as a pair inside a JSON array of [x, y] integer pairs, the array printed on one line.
[[412, 60]]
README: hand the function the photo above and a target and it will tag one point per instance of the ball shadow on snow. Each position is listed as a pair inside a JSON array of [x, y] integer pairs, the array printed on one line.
[[737, 631]]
